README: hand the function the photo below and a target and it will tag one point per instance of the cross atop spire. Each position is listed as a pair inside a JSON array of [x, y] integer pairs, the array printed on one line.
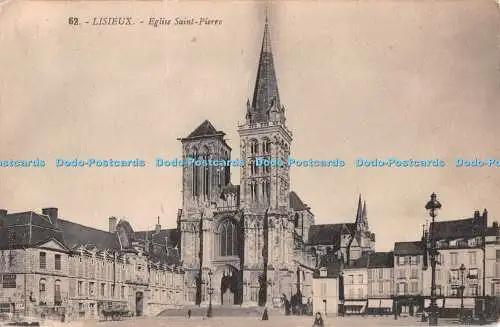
[[266, 95]]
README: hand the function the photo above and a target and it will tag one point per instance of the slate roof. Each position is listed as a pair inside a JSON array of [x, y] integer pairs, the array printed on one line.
[[493, 231], [30, 229], [296, 203], [159, 251], [27, 229], [409, 248], [75, 235], [380, 260], [205, 129], [461, 228], [361, 262], [172, 236], [329, 234], [333, 270]]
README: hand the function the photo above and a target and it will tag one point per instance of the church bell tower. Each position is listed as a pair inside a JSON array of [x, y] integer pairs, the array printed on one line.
[[265, 139]]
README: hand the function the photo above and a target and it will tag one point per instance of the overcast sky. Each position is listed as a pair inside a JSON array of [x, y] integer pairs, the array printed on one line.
[[359, 79]]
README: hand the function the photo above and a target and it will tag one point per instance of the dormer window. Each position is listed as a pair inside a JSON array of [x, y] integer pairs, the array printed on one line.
[[453, 243], [322, 272], [472, 242]]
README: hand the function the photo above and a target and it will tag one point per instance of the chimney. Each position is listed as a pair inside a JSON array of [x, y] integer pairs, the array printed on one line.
[[158, 226], [112, 225], [495, 224], [3, 212], [52, 213], [485, 217], [477, 214]]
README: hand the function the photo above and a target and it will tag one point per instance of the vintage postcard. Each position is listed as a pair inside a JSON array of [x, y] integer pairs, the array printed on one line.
[[234, 163]]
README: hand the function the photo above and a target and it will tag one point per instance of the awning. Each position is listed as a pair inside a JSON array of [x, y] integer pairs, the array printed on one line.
[[457, 303], [373, 303], [439, 302], [386, 303], [356, 306]]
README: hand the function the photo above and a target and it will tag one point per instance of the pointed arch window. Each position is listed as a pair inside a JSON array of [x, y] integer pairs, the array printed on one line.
[[254, 191], [266, 190], [266, 146], [206, 177], [254, 147], [194, 175], [253, 167], [228, 239], [267, 169]]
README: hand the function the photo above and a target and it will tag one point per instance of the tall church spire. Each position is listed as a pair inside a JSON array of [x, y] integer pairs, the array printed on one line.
[[266, 96], [359, 213]]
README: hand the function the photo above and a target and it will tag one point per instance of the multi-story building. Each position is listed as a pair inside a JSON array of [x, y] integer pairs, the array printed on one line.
[[467, 259], [355, 280], [408, 276], [51, 266], [368, 283], [327, 288], [380, 271], [492, 260]]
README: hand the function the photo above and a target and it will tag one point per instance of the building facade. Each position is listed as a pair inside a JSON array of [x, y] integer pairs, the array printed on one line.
[[356, 286], [50, 266], [380, 271], [327, 292], [409, 265], [492, 263], [466, 260]]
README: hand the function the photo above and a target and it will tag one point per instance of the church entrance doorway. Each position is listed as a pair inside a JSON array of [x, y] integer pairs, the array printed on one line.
[[139, 303], [230, 290]]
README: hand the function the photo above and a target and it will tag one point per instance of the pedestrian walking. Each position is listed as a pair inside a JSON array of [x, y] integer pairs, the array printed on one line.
[[318, 320]]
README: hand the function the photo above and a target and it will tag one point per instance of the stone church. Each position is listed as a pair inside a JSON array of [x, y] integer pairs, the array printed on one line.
[[253, 243]]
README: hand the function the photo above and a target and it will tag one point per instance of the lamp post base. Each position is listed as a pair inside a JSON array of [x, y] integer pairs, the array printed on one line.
[[209, 311], [433, 315]]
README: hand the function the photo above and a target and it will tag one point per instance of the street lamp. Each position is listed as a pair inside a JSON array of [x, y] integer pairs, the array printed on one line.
[[210, 292], [433, 206], [462, 287]]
